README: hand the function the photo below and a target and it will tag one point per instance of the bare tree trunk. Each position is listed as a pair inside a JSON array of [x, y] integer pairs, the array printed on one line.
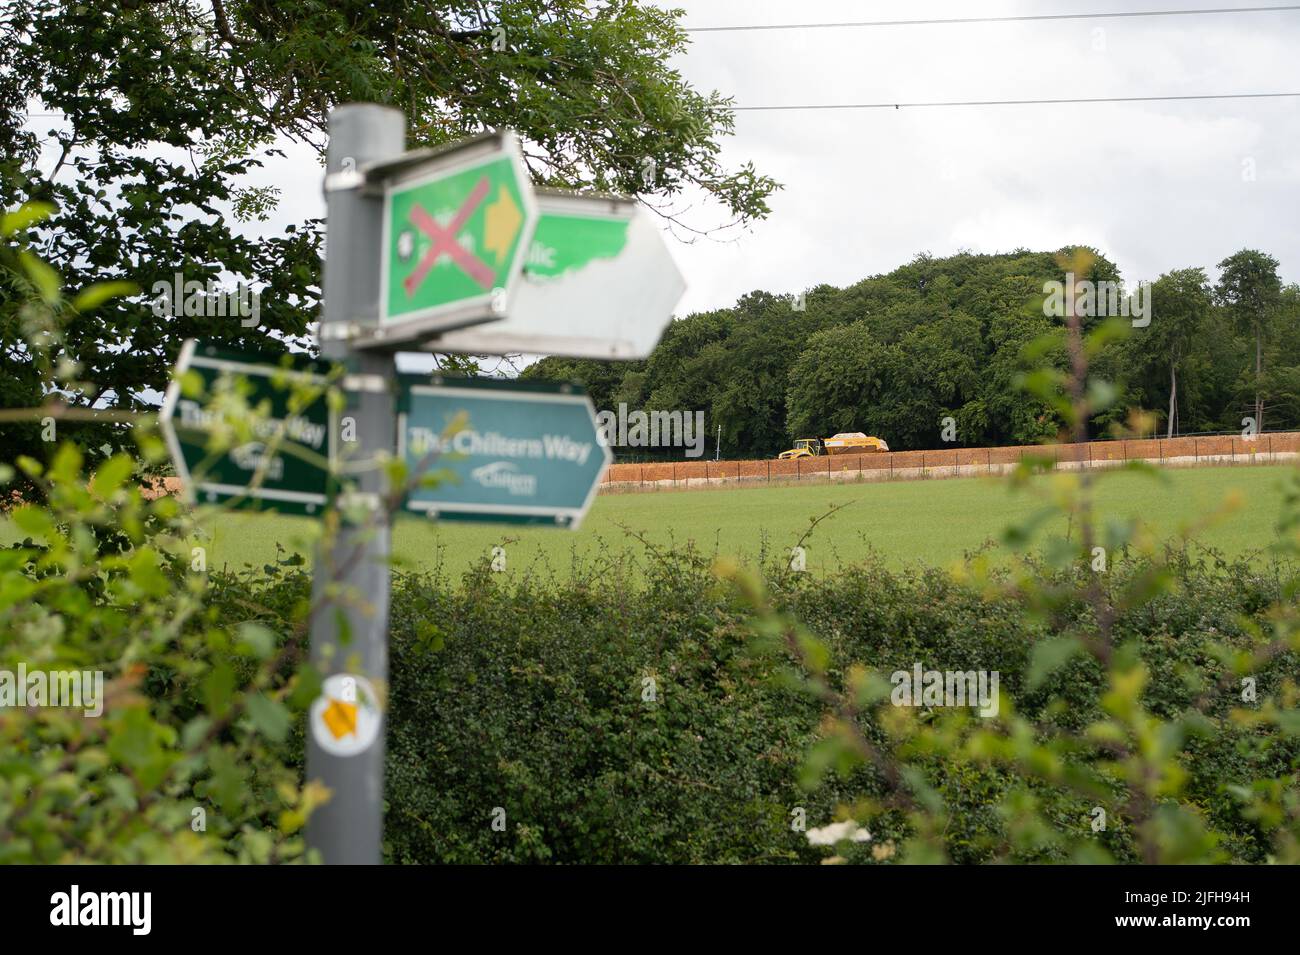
[[1173, 398]]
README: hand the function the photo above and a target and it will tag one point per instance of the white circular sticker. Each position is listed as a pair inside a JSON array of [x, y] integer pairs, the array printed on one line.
[[345, 717], [405, 245]]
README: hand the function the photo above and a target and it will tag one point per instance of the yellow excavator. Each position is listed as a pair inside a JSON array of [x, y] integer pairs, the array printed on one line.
[[846, 442]]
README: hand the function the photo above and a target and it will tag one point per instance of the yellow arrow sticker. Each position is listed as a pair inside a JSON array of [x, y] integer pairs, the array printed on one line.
[[340, 718], [503, 219]]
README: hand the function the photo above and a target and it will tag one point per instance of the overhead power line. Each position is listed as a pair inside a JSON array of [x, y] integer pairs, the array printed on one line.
[[1013, 19], [1011, 102]]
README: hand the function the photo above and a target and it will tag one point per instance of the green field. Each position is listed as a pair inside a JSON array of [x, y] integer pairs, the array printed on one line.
[[933, 522], [905, 522]]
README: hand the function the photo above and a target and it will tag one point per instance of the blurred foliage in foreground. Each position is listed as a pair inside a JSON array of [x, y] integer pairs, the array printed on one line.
[[1130, 679], [530, 695], [183, 764], [178, 758]]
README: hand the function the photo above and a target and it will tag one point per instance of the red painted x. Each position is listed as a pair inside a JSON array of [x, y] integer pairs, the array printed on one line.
[[444, 240]]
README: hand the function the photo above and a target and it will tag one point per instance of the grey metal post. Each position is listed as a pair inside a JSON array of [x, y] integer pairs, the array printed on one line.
[[348, 829]]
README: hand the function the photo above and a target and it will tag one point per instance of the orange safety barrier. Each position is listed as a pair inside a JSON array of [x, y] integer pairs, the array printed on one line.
[[954, 461]]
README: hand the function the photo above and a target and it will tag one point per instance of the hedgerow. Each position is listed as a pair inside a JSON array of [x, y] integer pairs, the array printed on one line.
[[530, 696]]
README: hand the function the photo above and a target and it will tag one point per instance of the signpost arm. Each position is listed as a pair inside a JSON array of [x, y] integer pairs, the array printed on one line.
[[352, 573]]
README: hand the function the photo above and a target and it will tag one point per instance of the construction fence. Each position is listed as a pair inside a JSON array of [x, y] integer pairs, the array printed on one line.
[[957, 462]]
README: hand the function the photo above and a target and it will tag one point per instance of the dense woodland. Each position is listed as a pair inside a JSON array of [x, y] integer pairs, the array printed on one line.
[[895, 354]]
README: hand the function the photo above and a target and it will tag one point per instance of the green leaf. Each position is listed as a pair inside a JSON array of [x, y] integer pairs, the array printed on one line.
[[45, 279], [430, 636], [194, 731], [269, 716], [226, 784], [25, 216], [35, 521], [255, 640], [820, 758], [218, 687], [343, 626], [122, 791], [66, 465], [145, 574], [136, 742], [1288, 721], [96, 295], [30, 466], [1047, 657], [306, 687], [1111, 330], [816, 655], [1101, 394], [926, 794], [111, 475]]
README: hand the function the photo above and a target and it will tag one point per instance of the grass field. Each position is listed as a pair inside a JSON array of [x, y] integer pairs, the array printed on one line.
[[932, 522]]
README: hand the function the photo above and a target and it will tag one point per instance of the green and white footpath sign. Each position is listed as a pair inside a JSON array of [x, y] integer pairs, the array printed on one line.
[[526, 453], [598, 282], [285, 464], [457, 224]]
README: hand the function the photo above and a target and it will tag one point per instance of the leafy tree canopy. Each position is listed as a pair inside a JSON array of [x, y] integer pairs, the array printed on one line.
[[140, 122]]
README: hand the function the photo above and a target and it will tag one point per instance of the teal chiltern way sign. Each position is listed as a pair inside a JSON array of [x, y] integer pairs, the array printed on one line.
[[519, 452]]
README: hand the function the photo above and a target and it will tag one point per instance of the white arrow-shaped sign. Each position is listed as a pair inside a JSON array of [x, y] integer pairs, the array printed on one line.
[[598, 282]]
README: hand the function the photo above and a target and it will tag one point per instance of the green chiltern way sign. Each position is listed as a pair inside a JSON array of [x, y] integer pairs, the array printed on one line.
[[285, 466], [525, 452]]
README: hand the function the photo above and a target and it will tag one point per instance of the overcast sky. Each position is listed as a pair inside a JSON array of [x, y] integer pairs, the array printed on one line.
[[1155, 186]]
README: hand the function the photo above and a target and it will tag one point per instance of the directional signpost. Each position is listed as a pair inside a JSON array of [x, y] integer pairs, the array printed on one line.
[[526, 455], [598, 283], [449, 250]]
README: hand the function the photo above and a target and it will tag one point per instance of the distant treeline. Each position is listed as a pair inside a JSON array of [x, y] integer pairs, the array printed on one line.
[[896, 354]]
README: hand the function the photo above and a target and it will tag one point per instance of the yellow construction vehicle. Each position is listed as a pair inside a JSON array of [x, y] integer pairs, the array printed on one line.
[[846, 442]]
